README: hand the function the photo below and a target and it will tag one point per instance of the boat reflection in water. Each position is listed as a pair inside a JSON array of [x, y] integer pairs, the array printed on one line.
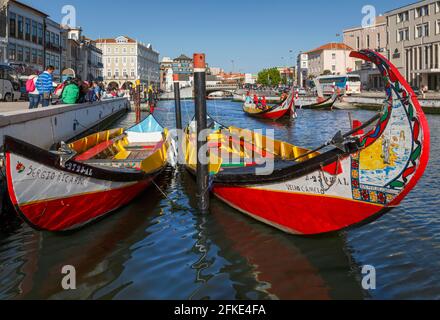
[[98, 253], [278, 266]]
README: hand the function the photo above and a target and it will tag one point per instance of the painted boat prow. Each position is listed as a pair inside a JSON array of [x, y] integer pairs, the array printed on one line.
[[419, 127]]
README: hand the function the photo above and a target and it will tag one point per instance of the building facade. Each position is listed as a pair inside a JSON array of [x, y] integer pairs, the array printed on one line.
[[414, 42], [183, 65], [52, 45], [166, 74], [126, 60], [332, 57], [287, 75], [373, 37], [3, 31], [25, 38], [302, 69]]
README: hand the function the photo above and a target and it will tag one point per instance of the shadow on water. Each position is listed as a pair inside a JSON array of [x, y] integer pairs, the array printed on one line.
[[275, 265]]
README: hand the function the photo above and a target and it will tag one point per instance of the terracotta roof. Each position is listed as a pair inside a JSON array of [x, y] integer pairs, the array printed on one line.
[[113, 40], [332, 46]]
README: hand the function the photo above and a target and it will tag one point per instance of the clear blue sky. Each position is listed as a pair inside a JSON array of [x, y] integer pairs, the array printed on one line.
[[253, 33]]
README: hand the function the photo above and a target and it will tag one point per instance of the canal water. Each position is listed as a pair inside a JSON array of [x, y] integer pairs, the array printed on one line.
[[162, 248]]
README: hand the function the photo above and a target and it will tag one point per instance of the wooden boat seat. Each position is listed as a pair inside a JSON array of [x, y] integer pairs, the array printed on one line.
[[93, 152], [278, 165]]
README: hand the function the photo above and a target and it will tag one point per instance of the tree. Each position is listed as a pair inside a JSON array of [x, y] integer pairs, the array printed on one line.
[[326, 73], [269, 77]]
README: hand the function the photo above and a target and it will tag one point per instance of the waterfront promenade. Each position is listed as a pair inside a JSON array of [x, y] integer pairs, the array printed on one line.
[[45, 126], [13, 106]]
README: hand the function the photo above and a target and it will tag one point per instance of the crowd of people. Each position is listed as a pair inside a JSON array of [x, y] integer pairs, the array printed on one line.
[[41, 91]]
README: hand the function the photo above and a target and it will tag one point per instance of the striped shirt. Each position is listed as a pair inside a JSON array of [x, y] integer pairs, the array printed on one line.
[[45, 83]]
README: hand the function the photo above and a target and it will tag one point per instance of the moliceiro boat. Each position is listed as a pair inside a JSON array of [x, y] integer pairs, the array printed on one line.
[[327, 104], [348, 181], [83, 181], [272, 112]]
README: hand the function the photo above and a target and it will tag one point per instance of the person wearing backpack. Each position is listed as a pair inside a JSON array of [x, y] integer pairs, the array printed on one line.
[[33, 94]]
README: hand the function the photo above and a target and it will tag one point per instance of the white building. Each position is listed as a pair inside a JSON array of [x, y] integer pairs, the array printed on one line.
[[249, 78], [126, 60], [332, 57], [215, 71], [166, 74], [302, 68]]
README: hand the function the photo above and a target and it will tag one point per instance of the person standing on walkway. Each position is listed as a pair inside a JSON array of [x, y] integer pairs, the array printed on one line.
[[33, 94], [45, 85], [71, 93]]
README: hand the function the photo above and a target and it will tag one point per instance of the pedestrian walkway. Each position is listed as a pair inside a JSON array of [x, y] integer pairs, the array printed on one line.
[[13, 106]]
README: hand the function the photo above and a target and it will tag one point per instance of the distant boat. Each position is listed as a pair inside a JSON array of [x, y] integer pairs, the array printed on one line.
[[83, 181], [360, 176], [274, 112], [323, 105]]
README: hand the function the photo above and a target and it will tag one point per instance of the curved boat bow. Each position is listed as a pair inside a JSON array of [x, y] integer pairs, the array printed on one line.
[[309, 193]]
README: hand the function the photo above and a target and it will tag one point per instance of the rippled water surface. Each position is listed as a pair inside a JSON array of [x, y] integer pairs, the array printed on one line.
[[162, 248]]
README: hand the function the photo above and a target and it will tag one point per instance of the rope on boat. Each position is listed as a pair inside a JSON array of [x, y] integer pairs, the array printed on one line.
[[161, 191]]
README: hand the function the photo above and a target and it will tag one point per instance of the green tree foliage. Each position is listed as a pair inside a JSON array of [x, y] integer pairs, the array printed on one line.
[[326, 73], [269, 77]]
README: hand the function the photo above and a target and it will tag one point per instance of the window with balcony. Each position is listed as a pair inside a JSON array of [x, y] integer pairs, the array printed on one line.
[[133, 74], [116, 73], [27, 29], [422, 30], [422, 11], [124, 73], [109, 73], [20, 27], [13, 25], [403, 16]]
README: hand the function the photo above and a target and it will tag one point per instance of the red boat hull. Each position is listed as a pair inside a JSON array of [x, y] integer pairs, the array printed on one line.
[[76, 211], [287, 212], [276, 114]]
